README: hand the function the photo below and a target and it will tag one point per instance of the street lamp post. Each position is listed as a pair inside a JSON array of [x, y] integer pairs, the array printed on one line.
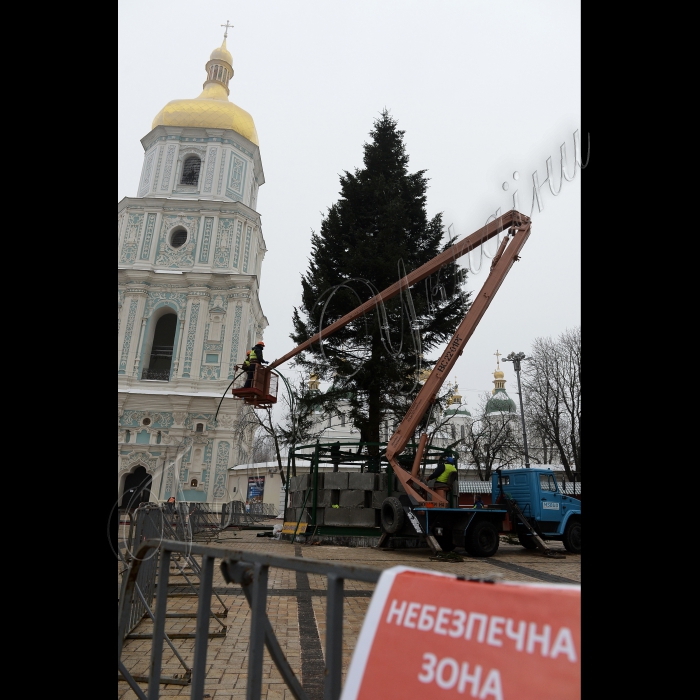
[[516, 359]]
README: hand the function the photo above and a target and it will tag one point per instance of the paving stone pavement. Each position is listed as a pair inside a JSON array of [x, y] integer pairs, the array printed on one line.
[[293, 597]]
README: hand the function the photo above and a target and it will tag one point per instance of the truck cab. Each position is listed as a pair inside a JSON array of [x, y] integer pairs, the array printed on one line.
[[553, 514]]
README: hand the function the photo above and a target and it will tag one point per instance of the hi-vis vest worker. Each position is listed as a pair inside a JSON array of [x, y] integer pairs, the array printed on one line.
[[449, 468], [443, 471], [256, 354]]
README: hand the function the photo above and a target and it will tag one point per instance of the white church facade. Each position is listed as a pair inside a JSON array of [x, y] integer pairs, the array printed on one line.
[[190, 253]]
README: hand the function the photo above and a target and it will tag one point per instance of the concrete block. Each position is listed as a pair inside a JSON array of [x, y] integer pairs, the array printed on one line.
[[335, 480], [378, 498], [352, 499], [291, 515], [351, 517], [324, 499], [297, 499], [381, 482], [320, 515], [398, 486], [299, 482], [364, 482]]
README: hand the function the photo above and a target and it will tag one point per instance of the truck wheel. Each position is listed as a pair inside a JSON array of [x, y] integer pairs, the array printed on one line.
[[483, 539], [572, 537], [392, 515], [525, 539]]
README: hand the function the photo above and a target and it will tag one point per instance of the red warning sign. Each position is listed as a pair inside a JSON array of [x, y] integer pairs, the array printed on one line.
[[431, 635]]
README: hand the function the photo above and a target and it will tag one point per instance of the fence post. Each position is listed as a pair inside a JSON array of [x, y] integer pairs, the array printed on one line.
[[334, 638], [199, 666], [286, 486], [258, 616], [159, 625], [315, 477]]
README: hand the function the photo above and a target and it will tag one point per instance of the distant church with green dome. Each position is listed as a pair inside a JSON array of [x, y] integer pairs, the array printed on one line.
[[499, 402]]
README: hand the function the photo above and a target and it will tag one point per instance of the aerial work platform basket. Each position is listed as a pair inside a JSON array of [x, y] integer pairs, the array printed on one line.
[[257, 386]]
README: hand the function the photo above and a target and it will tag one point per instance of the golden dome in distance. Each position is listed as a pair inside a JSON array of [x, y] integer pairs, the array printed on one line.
[[498, 374], [212, 108], [456, 396]]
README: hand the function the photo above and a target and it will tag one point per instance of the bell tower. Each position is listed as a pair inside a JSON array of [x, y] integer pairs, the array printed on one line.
[[190, 252]]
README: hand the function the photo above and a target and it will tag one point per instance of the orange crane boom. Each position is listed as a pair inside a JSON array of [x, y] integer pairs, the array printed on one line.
[[500, 265], [519, 231], [459, 249]]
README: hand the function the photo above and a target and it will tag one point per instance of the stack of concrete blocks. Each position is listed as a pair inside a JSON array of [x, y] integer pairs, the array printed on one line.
[[359, 498]]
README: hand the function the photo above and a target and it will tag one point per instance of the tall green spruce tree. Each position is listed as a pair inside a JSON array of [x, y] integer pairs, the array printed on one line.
[[377, 232]]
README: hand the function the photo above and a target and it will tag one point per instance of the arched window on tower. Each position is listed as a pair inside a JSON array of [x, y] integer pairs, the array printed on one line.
[[161, 356], [190, 171]]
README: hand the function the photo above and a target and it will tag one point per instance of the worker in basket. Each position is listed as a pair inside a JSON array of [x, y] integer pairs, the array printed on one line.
[[255, 357], [444, 475]]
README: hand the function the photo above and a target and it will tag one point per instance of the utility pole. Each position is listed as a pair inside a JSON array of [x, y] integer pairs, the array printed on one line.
[[516, 359]]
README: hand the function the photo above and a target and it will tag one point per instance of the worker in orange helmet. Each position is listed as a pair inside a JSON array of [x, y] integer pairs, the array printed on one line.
[[255, 357]]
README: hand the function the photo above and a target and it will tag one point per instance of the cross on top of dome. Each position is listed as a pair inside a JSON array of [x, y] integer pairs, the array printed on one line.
[[227, 25]]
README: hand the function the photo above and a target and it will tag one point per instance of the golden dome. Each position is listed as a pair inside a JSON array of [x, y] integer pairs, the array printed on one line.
[[498, 374], [221, 54], [456, 397], [211, 109]]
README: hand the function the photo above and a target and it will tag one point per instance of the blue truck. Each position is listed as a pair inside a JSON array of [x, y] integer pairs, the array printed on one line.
[[528, 503]]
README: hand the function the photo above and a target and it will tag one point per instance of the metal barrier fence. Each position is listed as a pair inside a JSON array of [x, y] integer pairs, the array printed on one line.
[[184, 521], [234, 513], [264, 511], [250, 570], [141, 529], [155, 523], [196, 520]]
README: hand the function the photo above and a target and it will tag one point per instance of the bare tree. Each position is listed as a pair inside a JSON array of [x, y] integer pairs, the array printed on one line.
[[552, 395], [300, 422], [258, 427], [492, 440], [263, 447], [540, 449], [439, 424]]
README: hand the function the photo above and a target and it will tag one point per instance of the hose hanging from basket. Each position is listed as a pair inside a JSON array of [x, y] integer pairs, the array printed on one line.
[[226, 392]]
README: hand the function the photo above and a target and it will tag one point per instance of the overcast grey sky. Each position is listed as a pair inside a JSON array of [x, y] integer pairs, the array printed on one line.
[[482, 89]]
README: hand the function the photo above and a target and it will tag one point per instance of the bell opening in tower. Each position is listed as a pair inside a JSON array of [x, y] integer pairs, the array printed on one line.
[[161, 357], [190, 171]]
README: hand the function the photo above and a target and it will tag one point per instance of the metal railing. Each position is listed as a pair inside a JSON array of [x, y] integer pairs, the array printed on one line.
[[249, 570], [162, 375], [162, 351]]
